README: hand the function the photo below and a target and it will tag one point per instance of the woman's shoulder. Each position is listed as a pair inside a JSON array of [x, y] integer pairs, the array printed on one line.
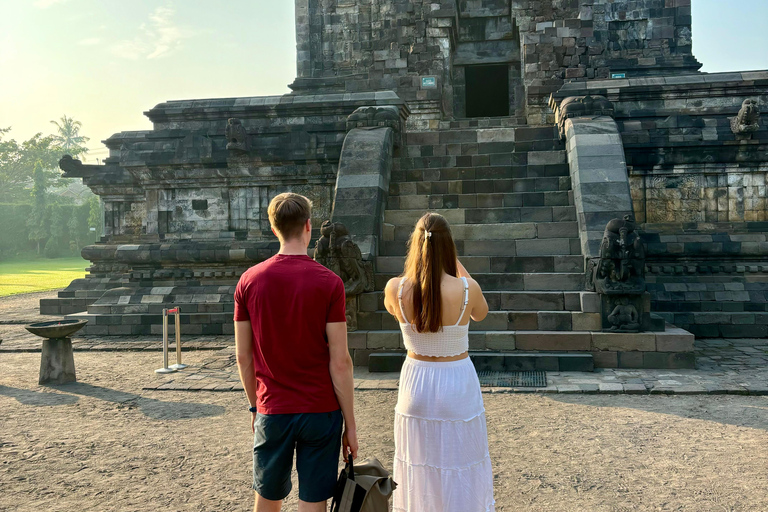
[[392, 285]]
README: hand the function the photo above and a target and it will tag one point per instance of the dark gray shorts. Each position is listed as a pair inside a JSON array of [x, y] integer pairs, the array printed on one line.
[[316, 439]]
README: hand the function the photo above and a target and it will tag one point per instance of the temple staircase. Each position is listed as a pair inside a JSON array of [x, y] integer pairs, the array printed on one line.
[[506, 191]]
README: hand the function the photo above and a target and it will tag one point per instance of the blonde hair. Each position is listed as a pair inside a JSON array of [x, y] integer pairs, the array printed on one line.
[[288, 213]]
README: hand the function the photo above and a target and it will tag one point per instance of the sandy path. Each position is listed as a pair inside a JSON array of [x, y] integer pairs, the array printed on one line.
[[104, 444]]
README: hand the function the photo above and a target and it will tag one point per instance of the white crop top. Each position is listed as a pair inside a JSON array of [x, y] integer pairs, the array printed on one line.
[[451, 340]]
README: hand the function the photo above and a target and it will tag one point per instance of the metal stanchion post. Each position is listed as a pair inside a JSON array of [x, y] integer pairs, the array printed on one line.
[[178, 365], [165, 368]]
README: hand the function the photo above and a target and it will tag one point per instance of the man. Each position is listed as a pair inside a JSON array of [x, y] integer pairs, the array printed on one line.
[[291, 339]]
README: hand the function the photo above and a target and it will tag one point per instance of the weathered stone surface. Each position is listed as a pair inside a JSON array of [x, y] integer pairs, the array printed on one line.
[[57, 362], [624, 342], [552, 340]]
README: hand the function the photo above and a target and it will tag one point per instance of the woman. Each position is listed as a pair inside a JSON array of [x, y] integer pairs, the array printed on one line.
[[441, 443]]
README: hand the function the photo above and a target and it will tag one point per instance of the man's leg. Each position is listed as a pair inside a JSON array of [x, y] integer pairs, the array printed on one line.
[[264, 505], [273, 448], [319, 506], [317, 458]]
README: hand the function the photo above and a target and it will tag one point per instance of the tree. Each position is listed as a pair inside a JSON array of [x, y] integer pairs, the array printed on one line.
[[17, 164], [37, 222], [69, 138], [57, 234], [95, 217]]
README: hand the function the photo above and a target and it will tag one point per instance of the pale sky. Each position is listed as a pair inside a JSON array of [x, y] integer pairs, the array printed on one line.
[[105, 62]]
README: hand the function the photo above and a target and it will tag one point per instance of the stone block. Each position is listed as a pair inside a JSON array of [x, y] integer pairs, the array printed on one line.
[[500, 341], [624, 342], [554, 320], [606, 359], [552, 340], [572, 301], [523, 320], [630, 359], [532, 301], [665, 360], [357, 339], [57, 362], [543, 247], [590, 302], [586, 321], [385, 361], [674, 340]]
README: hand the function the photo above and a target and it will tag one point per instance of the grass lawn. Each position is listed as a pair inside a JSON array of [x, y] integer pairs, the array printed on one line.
[[38, 275]]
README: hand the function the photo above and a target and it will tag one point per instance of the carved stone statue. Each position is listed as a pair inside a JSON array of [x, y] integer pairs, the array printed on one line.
[[621, 267], [237, 137], [336, 251], [624, 317], [748, 119], [619, 277]]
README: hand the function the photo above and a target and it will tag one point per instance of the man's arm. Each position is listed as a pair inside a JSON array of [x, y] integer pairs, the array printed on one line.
[[343, 382], [244, 348]]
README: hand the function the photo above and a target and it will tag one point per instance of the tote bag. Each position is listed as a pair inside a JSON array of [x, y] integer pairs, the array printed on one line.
[[363, 487]]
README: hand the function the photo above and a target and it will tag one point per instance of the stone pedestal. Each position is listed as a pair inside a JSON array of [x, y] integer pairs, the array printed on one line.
[[57, 362]]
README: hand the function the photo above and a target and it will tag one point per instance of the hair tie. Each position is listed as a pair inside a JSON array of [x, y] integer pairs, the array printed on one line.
[[428, 234]]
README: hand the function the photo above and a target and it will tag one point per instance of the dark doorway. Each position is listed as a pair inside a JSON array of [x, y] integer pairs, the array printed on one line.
[[487, 90]]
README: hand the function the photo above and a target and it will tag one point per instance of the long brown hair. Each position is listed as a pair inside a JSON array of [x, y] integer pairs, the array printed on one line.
[[431, 252]]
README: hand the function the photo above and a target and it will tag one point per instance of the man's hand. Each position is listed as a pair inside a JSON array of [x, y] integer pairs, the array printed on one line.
[[253, 421], [349, 443]]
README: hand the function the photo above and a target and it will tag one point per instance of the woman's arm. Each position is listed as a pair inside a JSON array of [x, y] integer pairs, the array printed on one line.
[[478, 306]]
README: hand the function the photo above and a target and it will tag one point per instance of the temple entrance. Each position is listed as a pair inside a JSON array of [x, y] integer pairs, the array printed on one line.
[[487, 93]]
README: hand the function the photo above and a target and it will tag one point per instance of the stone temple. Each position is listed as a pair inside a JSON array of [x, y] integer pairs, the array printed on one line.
[[608, 196]]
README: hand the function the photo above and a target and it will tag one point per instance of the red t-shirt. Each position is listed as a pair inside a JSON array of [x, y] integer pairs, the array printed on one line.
[[288, 300]]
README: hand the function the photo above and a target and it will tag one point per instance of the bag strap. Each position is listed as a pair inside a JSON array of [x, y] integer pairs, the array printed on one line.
[[351, 466]]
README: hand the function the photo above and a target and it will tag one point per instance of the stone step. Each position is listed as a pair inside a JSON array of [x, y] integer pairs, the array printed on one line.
[[152, 324], [514, 214], [453, 187], [545, 247], [475, 141], [587, 302], [513, 231], [490, 199], [542, 281], [497, 264], [455, 133], [402, 173], [674, 340], [457, 216], [498, 361], [503, 321]]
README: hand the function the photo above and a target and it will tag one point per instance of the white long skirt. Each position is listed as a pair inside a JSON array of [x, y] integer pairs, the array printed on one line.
[[441, 462]]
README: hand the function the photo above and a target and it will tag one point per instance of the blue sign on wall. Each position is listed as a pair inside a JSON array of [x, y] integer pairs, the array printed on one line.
[[428, 82], [618, 75]]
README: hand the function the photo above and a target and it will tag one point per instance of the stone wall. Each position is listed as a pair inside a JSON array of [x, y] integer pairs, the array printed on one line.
[[363, 45], [698, 187], [186, 203], [585, 39]]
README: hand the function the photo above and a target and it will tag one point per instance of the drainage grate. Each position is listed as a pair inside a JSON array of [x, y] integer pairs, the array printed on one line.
[[536, 379]]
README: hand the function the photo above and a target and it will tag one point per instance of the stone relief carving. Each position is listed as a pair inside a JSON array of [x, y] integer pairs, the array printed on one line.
[[374, 117], [581, 106], [621, 267], [624, 316], [237, 137], [336, 251], [618, 276], [747, 121]]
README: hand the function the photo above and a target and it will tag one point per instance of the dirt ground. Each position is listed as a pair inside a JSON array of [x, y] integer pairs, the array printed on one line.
[[103, 444]]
